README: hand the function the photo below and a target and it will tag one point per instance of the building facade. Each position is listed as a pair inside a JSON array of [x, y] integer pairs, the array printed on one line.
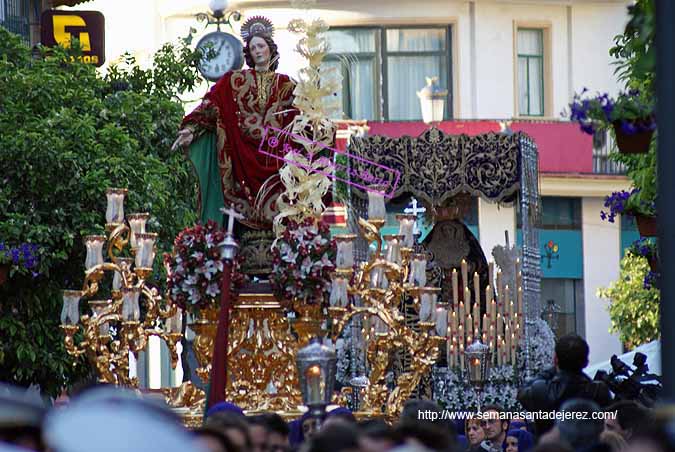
[[504, 62]]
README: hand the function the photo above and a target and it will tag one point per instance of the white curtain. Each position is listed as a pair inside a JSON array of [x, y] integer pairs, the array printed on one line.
[[406, 76]]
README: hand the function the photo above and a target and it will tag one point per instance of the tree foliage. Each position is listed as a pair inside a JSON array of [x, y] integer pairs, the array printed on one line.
[[633, 309], [66, 134]]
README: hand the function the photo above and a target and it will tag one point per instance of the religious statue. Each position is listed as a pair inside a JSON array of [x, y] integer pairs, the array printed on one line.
[[223, 134]]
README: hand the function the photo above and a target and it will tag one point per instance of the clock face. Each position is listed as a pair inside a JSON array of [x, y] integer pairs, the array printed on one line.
[[228, 55]]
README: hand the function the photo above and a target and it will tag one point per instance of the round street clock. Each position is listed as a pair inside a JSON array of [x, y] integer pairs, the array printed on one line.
[[228, 55]]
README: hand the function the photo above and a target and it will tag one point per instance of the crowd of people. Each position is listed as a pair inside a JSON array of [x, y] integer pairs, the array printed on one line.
[[104, 418]]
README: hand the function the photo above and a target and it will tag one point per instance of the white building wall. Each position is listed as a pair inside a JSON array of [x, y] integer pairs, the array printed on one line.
[[602, 253]]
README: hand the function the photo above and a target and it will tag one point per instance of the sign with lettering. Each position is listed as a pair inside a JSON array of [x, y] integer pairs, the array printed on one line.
[[60, 27]]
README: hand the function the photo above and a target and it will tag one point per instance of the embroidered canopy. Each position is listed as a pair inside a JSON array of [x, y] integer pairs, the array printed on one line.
[[435, 166]]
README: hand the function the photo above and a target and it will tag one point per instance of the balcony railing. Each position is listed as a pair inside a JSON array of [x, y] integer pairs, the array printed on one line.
[[14, 16], [603, 147]]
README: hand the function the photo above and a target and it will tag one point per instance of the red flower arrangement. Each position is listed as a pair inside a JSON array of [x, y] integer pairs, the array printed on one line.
[[196, 266], [304, 257]]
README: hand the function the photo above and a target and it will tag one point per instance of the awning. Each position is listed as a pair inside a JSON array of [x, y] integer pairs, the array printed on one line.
[[55, 3]]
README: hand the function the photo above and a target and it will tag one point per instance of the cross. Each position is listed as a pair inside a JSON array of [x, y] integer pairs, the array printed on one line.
[[231, 215], [415, 209]]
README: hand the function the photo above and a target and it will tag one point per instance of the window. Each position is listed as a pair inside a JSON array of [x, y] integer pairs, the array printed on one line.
[[384, 67], [561, 300], [530, 72]]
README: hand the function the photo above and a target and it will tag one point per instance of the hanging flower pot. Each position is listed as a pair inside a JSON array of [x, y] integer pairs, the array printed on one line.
[[646, 225], [633, 137], [4, 273]]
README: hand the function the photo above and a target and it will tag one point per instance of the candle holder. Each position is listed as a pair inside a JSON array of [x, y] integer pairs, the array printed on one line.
[[108, 348], [316, 370]]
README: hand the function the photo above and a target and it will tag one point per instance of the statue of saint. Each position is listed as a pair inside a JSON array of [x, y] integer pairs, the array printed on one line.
[[223, 134]]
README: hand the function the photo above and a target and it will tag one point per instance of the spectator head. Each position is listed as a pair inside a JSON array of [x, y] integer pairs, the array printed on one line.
[[224, 407], [553, 446], [21, 415], [615, 441], [519, 441], [571, 353], [580, 432], [377, 436], [340, 415], [268, 432], [425, 433], [213, 440], [630, 416], [474, 432], [494, 427], [339, 437], [232, 425]]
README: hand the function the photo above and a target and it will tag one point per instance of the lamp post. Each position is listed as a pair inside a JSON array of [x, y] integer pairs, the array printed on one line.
[[477, 366], [316, 370], [219, 363], [218, 14], [432, 100]]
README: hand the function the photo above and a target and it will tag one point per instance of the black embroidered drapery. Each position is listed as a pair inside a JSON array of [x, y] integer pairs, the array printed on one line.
[[435, 166]]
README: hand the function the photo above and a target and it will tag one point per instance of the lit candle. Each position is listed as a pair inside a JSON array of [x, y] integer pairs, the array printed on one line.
[[465, 271], [461, 313], [476, 316], [461, 355], [493, 312], [485, 323], [507, 300], [467, 301], [520, 301], [513, 348], [460, 334], [476, 287], [499, 350], [315, 384], [376, 207], [512, 313], [455, 287], [451, 355], [500, 324], [507, 346], [500, 289], [469, 326], [441, 322], [491, 273], [454, 321], [504, 353]]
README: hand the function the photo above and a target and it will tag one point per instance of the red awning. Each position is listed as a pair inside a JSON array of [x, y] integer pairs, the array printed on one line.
[[563, 148]]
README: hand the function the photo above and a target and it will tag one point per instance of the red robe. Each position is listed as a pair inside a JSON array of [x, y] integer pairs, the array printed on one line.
[[232, 109]]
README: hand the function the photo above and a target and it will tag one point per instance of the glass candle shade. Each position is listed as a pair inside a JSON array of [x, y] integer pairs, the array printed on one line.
[[145, 254], [418, 270], [137, 223], [394, 248], [427, 306], [406, 226], [130, 307], [94, 245], [376, 206], [338, 294], [345, 251], [174, 324], [70, 313], [115, 210], [97, 307]]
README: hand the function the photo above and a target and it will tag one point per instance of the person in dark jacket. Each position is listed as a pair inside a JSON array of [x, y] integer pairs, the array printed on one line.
[[566, 380]]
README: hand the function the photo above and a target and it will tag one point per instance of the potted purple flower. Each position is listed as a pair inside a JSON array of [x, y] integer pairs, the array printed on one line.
[[630, 204], [647, 248], [24, 258], [630, 115]]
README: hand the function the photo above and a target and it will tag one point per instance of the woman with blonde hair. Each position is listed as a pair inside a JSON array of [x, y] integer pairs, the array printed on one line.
[[474, 434], [614, 441]]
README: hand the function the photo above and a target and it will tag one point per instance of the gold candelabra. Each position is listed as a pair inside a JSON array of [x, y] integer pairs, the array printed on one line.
[[378, 295], [117, 327]]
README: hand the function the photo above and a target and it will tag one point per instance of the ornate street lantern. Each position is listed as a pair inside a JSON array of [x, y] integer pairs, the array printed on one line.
[[432, 100], [477, 363], [317, 366]]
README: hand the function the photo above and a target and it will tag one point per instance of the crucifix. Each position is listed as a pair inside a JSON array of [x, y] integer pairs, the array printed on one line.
[[415, 210], [231, 216]]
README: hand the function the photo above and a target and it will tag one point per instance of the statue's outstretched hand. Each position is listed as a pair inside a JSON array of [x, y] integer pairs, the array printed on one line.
[[184, 139]]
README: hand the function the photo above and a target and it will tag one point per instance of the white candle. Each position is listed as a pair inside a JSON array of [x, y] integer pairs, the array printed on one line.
[[70, 314], [441, 322], [465, 271], [146, 250], [345, 251], [406, 229], [94, 245], [137, 222], [115, 208]]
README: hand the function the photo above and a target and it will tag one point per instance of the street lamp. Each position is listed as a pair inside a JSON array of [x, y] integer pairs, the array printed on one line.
[[218, 14], [477, 363], [316, 370], [432, 100]]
